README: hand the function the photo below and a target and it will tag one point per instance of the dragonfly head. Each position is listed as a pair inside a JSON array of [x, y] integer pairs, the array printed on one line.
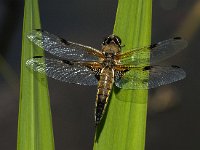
[[112, 39]]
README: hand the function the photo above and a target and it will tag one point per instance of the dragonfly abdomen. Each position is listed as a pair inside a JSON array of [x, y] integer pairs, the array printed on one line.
[[104, 88]]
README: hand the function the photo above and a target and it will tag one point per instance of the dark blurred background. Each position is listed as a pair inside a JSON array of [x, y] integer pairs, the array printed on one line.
[[173, 116]]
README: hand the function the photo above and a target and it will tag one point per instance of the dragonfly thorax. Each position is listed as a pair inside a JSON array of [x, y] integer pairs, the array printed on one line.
[[111, 48], [109, 62], [109, 55]]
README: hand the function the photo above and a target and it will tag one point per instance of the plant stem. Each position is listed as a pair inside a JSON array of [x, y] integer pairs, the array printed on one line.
[[34, 123], [124, 125]]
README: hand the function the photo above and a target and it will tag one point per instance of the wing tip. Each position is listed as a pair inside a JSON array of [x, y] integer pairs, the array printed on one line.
[[185, 44], [183, 73]]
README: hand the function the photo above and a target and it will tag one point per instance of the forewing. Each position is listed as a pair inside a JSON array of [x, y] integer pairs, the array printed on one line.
[[154, 53], [62, 48], [149, 77], [62, 71]]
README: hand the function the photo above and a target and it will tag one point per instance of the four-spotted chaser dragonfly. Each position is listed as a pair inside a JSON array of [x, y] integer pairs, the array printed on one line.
[[84, 65]]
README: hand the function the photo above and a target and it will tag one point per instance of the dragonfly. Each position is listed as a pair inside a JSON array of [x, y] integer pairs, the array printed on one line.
[[85, 65]]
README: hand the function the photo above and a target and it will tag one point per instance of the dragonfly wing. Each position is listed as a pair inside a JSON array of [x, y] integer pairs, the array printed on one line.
[[154, 53], [166, 49], [63, 71], [62, 48], [149, 77]]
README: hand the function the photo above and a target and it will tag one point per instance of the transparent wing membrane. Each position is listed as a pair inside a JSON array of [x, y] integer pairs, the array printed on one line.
[[154, 53], [149, 77], [62, 48], [82, 64], [60, 70]]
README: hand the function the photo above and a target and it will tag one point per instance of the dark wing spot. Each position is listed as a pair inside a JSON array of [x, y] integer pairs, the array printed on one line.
[[64, 41], [177, 38], [147, 68], [96, 72], [153, 46], [125, 70], [39, 30], [174, 66], [97, 77], [38, 56], [67, 62]]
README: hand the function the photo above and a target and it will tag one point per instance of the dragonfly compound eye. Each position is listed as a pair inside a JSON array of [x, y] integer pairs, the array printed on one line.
[[112, 38], [107, 40], [117, 40]]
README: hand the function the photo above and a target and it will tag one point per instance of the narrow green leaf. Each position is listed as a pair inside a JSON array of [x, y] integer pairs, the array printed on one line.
[[124, 125], [34, 124]]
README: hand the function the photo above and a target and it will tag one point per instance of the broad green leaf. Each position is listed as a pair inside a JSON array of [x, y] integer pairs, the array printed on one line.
[[34, 124], [124, 125]]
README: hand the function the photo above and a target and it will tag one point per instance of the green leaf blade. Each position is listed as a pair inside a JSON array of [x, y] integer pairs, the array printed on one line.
[[35, 130], [124, 124]]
